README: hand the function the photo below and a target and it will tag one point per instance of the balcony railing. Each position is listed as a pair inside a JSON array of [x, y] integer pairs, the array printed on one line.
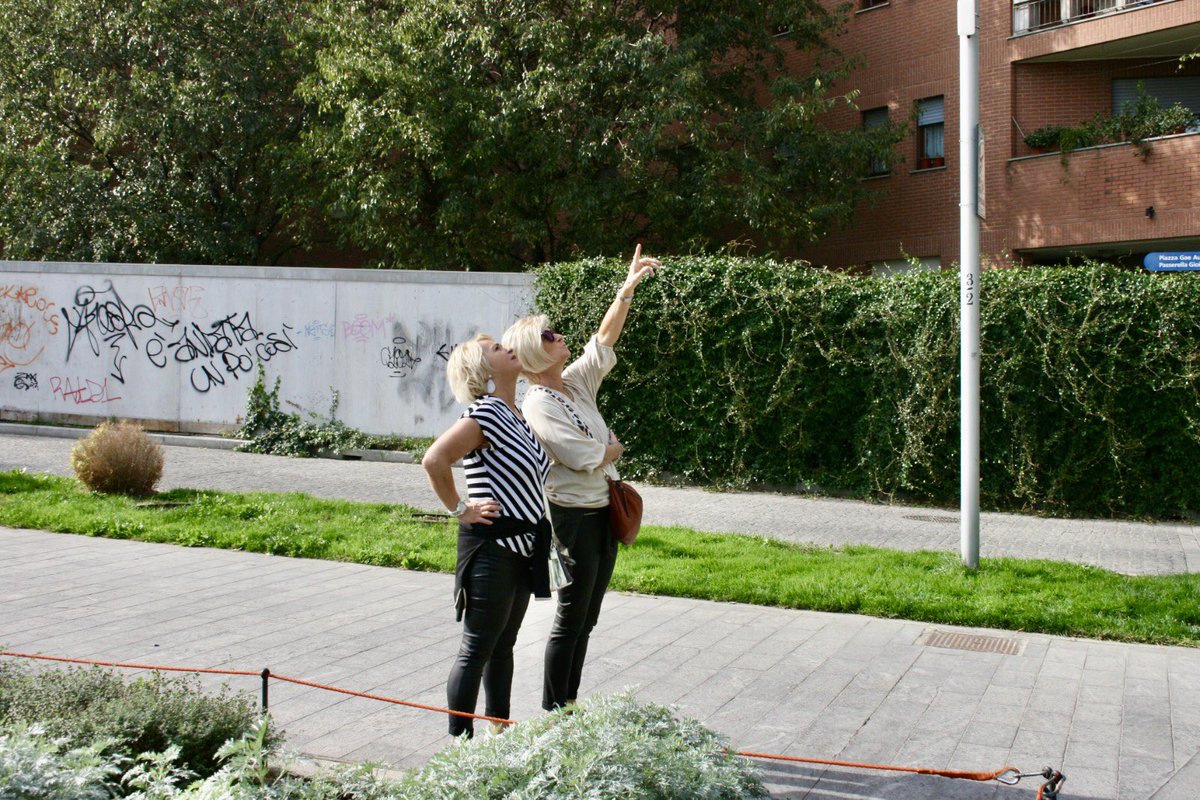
[[1037, 15]]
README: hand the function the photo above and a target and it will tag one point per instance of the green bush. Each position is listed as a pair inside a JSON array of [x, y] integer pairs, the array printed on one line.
[[267, 428], [610, 747], [85, 706], [751, 372]]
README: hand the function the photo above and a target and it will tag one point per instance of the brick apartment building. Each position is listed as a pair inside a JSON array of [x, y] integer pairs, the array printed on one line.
[[1041, 62]]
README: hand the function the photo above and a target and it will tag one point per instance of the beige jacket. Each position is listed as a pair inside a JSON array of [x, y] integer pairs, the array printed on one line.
[[576, 477]]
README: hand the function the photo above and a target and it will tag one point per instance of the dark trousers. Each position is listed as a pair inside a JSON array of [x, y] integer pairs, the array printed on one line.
[[497, 584], [584, 532]]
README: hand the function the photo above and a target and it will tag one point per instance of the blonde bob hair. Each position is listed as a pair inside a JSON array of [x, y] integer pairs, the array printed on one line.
[[524, 338], [467, 369]]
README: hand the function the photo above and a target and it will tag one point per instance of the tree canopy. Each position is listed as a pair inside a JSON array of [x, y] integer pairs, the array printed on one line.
[[146, 130], [480, 134], [463, 133]]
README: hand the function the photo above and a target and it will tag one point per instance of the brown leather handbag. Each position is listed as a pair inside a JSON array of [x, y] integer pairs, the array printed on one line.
[[624, 511]]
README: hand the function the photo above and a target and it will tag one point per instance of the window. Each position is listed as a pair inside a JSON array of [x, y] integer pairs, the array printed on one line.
[[1182, 89], [876, 118], [872, 3], [931, 133]]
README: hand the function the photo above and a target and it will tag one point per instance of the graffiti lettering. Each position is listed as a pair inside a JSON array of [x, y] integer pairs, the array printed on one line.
[[315, 330], [15, 333], [231, 346], [103, 317], [399, 359], [81, 391], [20, 342], [179, 299], [28, 297], [418, 356], [362, 327], [25, 381]]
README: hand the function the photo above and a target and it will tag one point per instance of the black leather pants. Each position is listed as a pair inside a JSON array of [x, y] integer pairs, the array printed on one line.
[[497, 595], [584, 532]]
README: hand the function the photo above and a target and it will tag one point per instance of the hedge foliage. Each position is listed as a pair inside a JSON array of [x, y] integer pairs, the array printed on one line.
[[749, 372]]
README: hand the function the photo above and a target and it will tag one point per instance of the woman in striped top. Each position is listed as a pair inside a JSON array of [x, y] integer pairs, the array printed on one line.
[[503, 536]]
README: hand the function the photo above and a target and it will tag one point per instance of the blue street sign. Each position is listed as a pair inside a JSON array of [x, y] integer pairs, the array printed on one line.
[[1171, 262]]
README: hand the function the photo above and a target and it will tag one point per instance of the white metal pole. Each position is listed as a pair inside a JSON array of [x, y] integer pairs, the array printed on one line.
[[968, 129]]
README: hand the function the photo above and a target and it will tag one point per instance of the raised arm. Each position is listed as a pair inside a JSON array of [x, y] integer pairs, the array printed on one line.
[[462, 437], [614, 320]]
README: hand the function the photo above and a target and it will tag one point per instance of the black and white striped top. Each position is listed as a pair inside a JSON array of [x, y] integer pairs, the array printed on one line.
[[511, 469]]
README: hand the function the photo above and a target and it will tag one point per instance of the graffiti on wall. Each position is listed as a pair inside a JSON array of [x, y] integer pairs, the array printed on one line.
[[81, 391], [26, 320], [111, 328], [90, 340], [178, 300], [417, 358], [315, 329], [228, 347], [363, 327]]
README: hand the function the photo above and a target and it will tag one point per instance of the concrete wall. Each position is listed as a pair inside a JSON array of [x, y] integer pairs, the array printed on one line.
[[177, 346]]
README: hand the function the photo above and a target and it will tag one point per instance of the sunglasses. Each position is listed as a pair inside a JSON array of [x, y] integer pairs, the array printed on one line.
[[549, 334]]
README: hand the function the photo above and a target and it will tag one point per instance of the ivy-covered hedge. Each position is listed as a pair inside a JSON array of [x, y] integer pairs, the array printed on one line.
[[754, 372]]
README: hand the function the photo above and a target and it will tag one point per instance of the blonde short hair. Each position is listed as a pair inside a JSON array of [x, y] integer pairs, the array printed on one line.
[[524, 338], [467, 369]]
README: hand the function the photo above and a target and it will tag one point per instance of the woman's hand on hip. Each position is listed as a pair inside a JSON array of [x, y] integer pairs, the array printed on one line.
[[481, 512]]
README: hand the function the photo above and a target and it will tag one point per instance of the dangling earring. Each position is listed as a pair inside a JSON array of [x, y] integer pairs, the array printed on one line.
[[491, 385]]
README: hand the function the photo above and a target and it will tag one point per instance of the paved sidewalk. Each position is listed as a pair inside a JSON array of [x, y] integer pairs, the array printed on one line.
[[1123, 721], [1120, 720], [1128, 547]]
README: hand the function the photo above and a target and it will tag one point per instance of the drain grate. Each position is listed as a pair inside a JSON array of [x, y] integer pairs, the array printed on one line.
[[930, 518], [974, 642]]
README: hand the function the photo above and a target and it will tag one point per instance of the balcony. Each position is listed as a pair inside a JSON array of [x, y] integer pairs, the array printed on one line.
[[1030, 16], [1106, 194]]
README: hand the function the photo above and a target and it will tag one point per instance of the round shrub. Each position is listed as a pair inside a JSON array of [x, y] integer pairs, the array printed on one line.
[[118, 458]]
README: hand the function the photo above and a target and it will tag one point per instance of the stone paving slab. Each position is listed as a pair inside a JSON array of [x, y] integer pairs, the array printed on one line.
[[1119, 719], [1129, 547]]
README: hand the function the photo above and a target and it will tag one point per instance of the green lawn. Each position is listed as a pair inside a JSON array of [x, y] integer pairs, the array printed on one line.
[[1014, 594]]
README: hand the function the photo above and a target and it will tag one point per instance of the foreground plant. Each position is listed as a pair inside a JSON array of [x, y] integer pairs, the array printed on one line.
[[83, 706], [34, 766], [606, 747]]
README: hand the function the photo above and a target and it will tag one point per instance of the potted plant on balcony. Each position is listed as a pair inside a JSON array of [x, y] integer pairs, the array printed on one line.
[[1139, 120], [1045, 139]]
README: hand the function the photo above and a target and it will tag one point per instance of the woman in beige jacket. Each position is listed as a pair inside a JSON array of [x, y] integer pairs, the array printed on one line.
[[561, 409]]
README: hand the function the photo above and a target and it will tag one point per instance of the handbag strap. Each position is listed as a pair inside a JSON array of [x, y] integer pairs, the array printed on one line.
[[574, 415], [570, 410]]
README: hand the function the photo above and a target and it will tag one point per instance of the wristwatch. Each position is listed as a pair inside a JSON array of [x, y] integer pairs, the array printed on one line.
[[460, 509]]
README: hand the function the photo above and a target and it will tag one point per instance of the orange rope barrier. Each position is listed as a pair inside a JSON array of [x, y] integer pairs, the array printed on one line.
[[410, 704], [285, 678], [1012, 772], [944, 773], [130, 666]]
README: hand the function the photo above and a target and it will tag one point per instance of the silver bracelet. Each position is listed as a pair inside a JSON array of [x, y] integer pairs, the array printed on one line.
[[624, 298]]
